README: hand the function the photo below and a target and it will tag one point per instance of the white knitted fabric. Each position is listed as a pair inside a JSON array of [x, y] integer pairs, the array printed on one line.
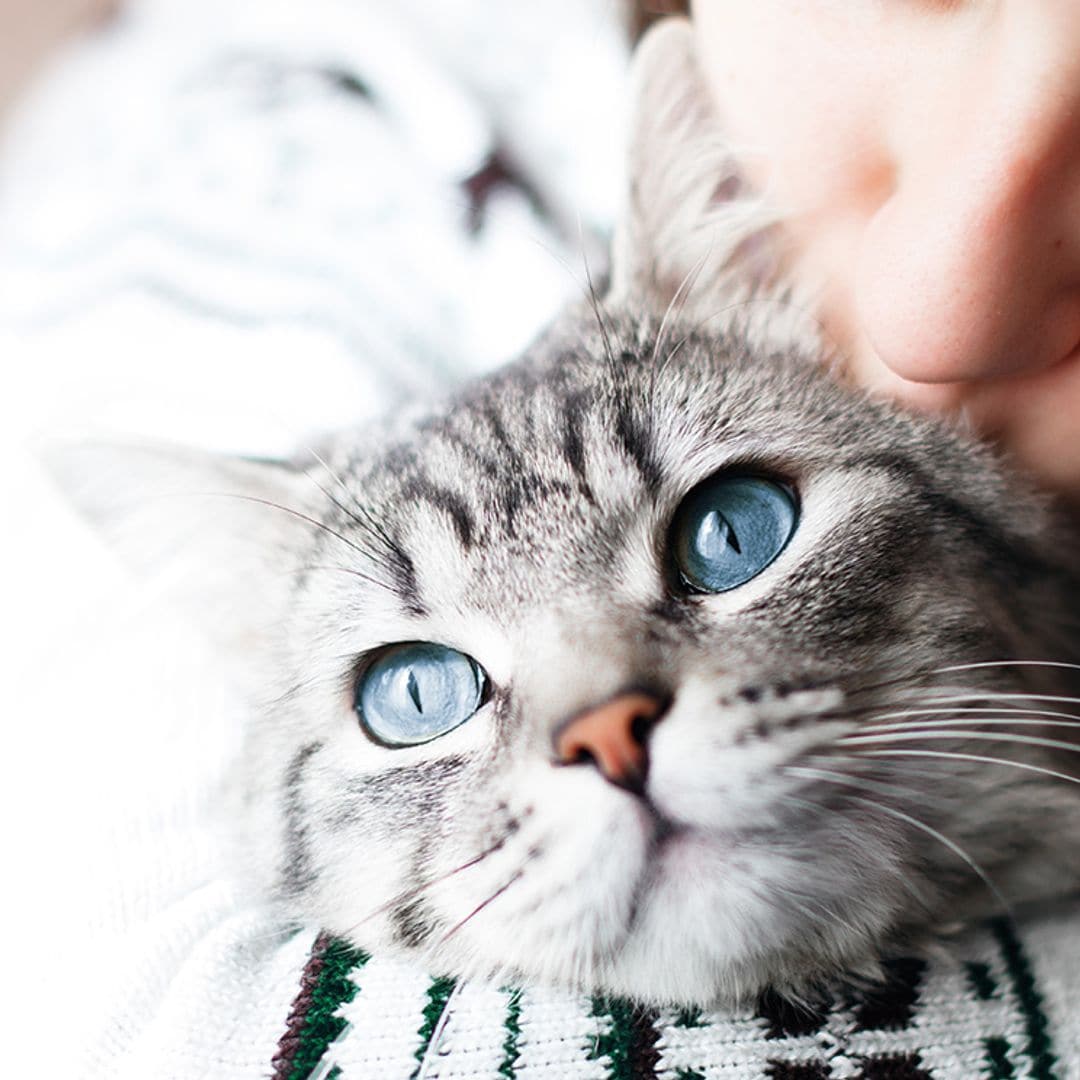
[[234, 223]]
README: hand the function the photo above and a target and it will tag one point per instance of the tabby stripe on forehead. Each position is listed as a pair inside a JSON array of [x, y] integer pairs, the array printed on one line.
[[629, 1039], [449, 502], [405, 584], [1039, 1048], [313, 1023]]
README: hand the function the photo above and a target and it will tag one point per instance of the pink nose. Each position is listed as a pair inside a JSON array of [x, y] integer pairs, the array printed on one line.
[[612, 737]]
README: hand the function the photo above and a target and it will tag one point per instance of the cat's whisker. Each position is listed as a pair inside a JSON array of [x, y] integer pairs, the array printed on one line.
[[1006, 714], [1007, 663], [294, 513], [597, 310], [900, 815], [422, 889], [919, 675], [879, 787], [675, 306], [517, 876], [1005, 695], [435, 1042], [961, 733], [336, 477], [992, 720], [956, 755], [342, 570]]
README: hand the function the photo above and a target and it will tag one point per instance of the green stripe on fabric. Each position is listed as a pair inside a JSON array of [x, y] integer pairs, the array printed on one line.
[[689, 1074], [982, 982], [689, 1016], [998, 1065], [629, 1042], [437, 996], [512, 1027], [322, 1025], [1039, 1047]]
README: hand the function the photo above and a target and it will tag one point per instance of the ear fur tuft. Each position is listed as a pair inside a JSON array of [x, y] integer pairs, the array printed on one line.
[[215, 536], [693, 233]]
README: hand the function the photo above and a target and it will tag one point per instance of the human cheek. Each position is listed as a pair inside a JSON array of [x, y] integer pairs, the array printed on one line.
[[802, 91], [799, 96]]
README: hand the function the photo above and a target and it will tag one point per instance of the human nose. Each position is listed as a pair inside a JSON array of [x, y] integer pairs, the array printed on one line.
[[970, 268], [612, 737]]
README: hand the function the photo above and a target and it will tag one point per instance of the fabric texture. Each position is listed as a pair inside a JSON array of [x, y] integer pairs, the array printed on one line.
[[237, 223]]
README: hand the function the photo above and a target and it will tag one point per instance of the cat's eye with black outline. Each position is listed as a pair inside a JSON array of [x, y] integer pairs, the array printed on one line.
[[729, 528], [416, 691]]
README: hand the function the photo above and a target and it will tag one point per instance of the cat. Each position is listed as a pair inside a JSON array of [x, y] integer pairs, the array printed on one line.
[[659, 662]]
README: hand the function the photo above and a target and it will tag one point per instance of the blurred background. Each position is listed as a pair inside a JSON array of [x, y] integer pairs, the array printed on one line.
[[235, 224]]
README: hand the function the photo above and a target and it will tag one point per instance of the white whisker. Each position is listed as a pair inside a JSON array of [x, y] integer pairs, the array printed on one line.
[[959, 733], [839, 778], [432, 1051], [958, 756], [1006, 663], [1002, 714], [876, 786], [997, 695]]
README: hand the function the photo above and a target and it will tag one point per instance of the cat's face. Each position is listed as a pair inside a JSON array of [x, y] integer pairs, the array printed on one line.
[[547, 545]]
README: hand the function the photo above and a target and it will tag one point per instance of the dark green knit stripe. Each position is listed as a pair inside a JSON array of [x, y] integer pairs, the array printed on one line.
[[321, 1024], [689, 1016], [1039, 1048], [998, 1065], [437, 996], [512, 1027], [982, 982], [629, 1042], [689, 1074]]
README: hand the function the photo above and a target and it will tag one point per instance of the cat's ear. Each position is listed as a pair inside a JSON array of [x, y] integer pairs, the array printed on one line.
[[692, 232], [215, 536]]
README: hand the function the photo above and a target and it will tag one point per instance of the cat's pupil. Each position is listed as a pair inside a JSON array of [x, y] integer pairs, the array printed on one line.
[[716, 533], [730, 528], [414, 692]]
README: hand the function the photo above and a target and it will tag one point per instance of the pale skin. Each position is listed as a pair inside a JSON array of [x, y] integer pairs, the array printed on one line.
[[928, 154], [31, 29]]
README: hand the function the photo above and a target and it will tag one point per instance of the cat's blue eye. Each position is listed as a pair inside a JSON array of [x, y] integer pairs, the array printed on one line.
[[418, 691], [729, 529]]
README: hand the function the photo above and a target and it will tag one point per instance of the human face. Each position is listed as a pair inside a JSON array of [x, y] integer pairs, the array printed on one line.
[[928, 155]]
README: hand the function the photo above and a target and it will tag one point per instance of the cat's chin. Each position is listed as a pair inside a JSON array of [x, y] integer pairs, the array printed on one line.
[[704, 933], [692, 926]]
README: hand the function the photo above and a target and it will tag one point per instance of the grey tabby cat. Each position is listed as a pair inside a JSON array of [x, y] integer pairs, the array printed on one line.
[[658, 662]]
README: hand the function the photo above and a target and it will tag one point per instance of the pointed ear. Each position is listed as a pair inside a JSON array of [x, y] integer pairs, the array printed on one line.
[[217, 536], [692, 229]]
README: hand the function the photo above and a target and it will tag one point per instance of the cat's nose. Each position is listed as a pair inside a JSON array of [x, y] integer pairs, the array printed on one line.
[[612, 736]]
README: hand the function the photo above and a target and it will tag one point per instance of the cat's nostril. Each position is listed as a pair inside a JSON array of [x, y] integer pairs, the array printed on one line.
[[612, 737]]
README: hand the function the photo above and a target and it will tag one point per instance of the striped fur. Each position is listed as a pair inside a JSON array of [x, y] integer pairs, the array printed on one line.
[[525, 522]]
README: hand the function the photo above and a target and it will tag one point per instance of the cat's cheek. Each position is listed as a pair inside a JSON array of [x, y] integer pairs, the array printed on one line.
[[575, 868]]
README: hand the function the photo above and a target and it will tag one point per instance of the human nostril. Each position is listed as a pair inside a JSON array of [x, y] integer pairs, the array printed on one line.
[[612, 737]]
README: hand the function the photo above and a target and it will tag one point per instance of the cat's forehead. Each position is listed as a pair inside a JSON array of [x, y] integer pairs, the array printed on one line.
[[566, 468], [590, 422]]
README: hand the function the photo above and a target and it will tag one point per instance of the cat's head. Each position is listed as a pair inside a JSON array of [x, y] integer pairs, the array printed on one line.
[[603, 672]]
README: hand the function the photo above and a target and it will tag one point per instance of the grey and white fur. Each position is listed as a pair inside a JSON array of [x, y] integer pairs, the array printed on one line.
[[876, 735]]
